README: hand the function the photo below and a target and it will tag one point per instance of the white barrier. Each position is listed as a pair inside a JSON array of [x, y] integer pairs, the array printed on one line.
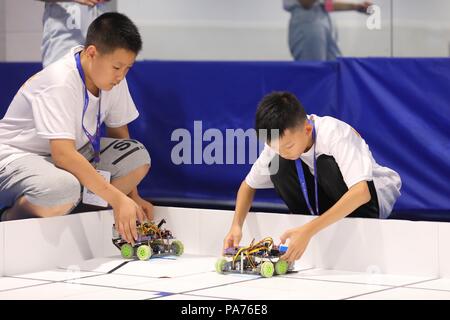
[[361, 245]]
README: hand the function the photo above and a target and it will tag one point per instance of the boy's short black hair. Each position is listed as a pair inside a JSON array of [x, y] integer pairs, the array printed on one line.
[[111, 31], [279, 110]]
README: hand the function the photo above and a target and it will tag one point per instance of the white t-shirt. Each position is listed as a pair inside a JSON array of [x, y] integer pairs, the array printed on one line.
[[351, 153], [50, 106]]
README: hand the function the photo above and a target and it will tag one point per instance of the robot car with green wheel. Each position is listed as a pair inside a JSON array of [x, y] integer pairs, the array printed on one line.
[[261, 258], [153, 241]]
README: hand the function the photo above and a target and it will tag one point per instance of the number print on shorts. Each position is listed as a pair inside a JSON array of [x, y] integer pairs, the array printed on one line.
[[123, 145]]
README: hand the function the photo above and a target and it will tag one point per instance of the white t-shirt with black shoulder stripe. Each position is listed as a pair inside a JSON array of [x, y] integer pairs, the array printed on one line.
[[352, 154]]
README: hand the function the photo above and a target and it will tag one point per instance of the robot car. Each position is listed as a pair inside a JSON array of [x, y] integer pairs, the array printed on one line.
[[152, 241], [261, 258]]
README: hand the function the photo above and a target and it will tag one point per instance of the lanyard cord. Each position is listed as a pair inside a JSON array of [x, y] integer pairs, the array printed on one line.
[[93, 139], [301, 177]]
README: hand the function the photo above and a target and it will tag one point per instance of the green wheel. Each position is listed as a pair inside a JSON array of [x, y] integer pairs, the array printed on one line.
[[220, 264], [267, 269], [281, 267], [177, 247], [126, 251], [144, 252]]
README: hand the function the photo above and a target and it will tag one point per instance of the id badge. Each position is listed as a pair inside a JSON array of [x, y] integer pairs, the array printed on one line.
[[93, 199]]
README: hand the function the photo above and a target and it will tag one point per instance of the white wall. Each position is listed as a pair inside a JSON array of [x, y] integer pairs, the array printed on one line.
[[211, 29], [257, 29], [361, 245], [23, 26], [2, 31], [421, 28], [241, 29]]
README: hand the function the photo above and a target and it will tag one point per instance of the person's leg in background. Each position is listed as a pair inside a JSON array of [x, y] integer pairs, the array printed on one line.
[[333, 51], [307, 36]]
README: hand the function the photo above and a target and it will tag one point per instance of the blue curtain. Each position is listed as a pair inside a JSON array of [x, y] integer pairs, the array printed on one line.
[[399, 106]]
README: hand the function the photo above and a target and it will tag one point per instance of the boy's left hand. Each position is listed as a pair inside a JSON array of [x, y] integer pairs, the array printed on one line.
[[362, 7], [146, 206], [298, 241]]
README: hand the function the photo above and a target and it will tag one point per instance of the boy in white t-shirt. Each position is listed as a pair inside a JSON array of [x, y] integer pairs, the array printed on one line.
[[320, 159], [50, 142]]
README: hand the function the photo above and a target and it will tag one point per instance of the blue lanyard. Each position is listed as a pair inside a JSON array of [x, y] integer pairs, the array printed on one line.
[[301, 177], [93, 139]]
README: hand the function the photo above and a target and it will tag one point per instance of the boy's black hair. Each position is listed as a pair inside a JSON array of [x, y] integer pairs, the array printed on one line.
[[111, 31], [279, 110]]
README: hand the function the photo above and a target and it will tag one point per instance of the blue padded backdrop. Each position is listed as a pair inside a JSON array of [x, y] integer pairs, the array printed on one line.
[[400, 107]]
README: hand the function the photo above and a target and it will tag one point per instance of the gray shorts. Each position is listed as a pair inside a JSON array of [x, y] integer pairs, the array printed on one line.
[[43, 184]]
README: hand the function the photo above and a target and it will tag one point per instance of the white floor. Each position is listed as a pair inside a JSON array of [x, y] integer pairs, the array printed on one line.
[[73, 258], [192, 277]]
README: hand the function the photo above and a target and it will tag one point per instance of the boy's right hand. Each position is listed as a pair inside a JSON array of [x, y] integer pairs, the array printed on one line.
[[233, 237], [90, 3], [363, 7], [125, 213]]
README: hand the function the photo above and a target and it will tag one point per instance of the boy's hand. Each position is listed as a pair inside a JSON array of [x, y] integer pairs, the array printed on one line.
[[90, 3], [298, 241], [362, 7], [146, 207], [125, 213], [233, 237]]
